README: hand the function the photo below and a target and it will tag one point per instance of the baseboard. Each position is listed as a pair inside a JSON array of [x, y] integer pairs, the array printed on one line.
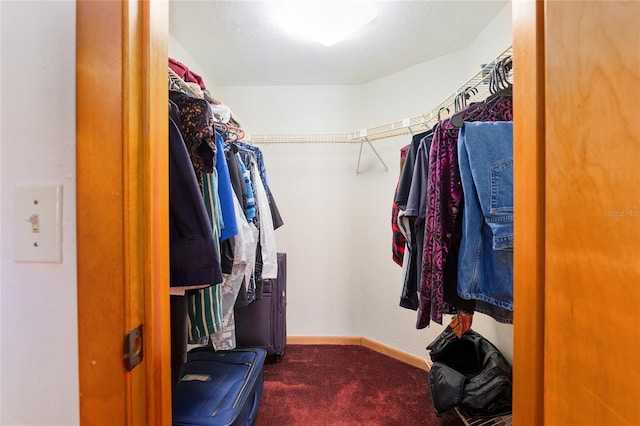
[[389, 351], [324, 340], [392, 352]]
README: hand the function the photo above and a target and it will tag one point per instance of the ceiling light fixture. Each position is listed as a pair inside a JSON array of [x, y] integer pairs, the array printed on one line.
[[325, 22]]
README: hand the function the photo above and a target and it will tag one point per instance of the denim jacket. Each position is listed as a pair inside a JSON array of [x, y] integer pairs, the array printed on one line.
[[485, 263]]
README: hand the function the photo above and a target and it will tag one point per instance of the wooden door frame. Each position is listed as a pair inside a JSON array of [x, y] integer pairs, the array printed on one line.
[[529, 202], [122, 209]]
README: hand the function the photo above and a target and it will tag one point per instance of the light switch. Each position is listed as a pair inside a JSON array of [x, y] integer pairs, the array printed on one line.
[[38, 224]]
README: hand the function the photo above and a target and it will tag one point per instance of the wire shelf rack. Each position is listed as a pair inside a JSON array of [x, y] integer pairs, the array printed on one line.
[[479, 82], [493, 421]]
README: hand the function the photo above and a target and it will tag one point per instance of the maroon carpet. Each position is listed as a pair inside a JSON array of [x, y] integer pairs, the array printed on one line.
[[345, 385]]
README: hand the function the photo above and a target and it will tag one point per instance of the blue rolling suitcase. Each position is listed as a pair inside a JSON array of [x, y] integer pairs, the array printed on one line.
[[219, 388]]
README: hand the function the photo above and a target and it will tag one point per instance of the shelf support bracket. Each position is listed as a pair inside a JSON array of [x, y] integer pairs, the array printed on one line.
[[362, 141]]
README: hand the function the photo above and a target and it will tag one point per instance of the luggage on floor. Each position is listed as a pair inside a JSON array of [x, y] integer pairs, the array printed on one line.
[[219, 388], [469, 373], [263, 323]]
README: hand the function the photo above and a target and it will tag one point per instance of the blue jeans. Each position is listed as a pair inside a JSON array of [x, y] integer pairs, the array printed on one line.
[[485, 262]]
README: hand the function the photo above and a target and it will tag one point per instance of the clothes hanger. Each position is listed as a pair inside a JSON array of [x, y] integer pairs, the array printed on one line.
[[457, 119], [458, 102], [222, 127], [239, 131], [237, 134], [461, 98], [440, 111], [499, 88], [231, 138], [499, 85]]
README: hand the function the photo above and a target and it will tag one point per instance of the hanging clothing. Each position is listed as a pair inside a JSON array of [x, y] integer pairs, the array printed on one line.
[[245, 248], [444, 195], [225, 192], [222, 113], [196, 128], [214, 239], [406, 176], [212, 205], [398, 240], [204, 306], [204, 313], [250, 202], [185, 73], [276, 218], [444, 202], [267, 235], [485, 264], [193, 256], [266, 256], [237, 178], [414, 215], [406, 221], [251, 288]]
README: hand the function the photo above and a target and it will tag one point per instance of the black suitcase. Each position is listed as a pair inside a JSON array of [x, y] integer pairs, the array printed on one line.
[[219, 388], [263, 323]]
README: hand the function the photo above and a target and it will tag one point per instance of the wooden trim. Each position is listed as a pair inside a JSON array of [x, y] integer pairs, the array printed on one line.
[[405, 357], [389, 351], [122, 209], [529, 199], [156, 205], [324, 340], [100, 206], [135, 199]]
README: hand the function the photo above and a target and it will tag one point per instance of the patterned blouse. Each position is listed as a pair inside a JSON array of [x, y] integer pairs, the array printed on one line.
[[196, 127]]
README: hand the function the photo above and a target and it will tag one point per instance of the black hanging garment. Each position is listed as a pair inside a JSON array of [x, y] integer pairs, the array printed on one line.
[[469, 373]]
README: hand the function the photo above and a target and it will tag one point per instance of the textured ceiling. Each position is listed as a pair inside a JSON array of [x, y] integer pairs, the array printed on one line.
[[235, 42]]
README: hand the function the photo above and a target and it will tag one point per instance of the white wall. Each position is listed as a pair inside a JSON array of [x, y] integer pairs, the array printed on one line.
[[337, 230], [490, 42], [408, 93], [1, 234], [39, 363], [413, 91], [177, 52], [304, 109], [1, 239]]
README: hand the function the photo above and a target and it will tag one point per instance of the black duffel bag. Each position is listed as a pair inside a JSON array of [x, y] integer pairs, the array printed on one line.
[[469, 373]]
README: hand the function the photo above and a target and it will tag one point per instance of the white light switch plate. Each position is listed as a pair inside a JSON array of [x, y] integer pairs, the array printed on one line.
[[37, 229]]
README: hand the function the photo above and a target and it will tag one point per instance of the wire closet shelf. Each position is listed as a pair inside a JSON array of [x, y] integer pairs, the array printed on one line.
[[493, 421], [474, 89]]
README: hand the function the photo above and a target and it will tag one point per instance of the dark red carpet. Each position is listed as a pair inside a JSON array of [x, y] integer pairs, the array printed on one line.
[[345, 385]]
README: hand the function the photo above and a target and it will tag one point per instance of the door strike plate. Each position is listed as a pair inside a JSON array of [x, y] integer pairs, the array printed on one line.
[[132, 348]]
